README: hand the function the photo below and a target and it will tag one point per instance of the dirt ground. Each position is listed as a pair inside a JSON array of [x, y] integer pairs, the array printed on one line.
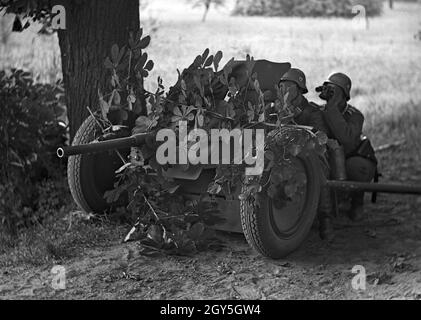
[[387, 245]]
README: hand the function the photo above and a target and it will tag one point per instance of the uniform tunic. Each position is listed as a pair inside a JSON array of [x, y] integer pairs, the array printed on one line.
[[345, 127], [311, 116]]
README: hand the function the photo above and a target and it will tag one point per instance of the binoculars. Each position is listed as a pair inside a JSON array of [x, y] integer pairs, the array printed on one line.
[[326, 92]]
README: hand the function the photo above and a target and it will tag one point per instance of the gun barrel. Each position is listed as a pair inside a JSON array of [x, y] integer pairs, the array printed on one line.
[[102, 146], [374, 187]]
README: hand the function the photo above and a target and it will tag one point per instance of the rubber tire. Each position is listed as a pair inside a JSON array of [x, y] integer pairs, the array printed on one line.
[[91, 175], [256, 223]]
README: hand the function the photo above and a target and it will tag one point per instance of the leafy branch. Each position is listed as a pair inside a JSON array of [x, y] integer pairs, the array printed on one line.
[[205, 97]]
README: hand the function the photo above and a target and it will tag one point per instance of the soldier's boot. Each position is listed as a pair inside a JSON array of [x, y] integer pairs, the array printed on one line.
[[325, 215], [326, 230], [357, 213], [359, 169]]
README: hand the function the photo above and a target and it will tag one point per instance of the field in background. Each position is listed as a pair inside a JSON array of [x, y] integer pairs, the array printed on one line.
[[383, 61]]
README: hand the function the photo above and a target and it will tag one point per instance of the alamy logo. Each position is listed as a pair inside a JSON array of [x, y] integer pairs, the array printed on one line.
[[359, 21], [222, 147], [359, 280], [59, 278], [58, 21]]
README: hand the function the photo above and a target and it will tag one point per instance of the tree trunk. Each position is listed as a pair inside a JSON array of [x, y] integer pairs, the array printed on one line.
[[391, 4], [92, 27]]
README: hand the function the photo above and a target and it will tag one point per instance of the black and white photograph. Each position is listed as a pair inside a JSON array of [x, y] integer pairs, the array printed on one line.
[[208, 155]]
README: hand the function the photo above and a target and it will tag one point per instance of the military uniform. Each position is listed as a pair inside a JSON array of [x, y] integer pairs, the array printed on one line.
[[311, 116], [346, 127]]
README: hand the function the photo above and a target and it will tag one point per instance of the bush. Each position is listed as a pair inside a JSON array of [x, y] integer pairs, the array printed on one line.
[[31, 129], [306, 8]]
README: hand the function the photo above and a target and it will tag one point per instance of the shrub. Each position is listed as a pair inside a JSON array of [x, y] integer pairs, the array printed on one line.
[[306, 8], [31, 129], [168, 221]]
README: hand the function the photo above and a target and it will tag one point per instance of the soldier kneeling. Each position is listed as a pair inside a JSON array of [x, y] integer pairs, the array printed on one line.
[[345, 123]]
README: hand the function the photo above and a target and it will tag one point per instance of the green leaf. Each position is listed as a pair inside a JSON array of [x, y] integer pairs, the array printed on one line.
[[209, 61], [116, 98], [257, 85], [198, 101], [200, 120], [142, 60], [142, 124], [177, 112], [121, 54], [139, 34], [228, 68], [144, 43], [149, 65], [188, 110], [217, 60], [197, 62], [205, 54], [183, 85], [115, 80]]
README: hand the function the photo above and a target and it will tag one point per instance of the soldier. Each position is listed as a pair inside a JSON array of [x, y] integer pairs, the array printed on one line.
[[345, 124], [309, 114], [306, 113]]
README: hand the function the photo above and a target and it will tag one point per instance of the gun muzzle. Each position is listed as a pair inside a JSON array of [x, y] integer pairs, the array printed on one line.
[[102, 146]]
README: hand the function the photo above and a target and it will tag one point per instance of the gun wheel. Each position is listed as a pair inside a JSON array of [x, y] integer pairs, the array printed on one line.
[[275, 231], [91, 175]]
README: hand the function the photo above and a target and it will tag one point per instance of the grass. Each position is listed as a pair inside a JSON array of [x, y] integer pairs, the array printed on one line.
[[57, 240], [384, 63]]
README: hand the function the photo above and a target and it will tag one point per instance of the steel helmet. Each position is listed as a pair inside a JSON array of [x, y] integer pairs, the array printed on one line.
[[342, 81], [297, 76]]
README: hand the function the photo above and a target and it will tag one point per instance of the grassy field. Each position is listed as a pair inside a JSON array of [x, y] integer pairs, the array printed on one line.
[[383, 61]]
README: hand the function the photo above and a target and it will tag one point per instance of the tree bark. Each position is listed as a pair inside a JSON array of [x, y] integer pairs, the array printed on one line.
[[92, 27]]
